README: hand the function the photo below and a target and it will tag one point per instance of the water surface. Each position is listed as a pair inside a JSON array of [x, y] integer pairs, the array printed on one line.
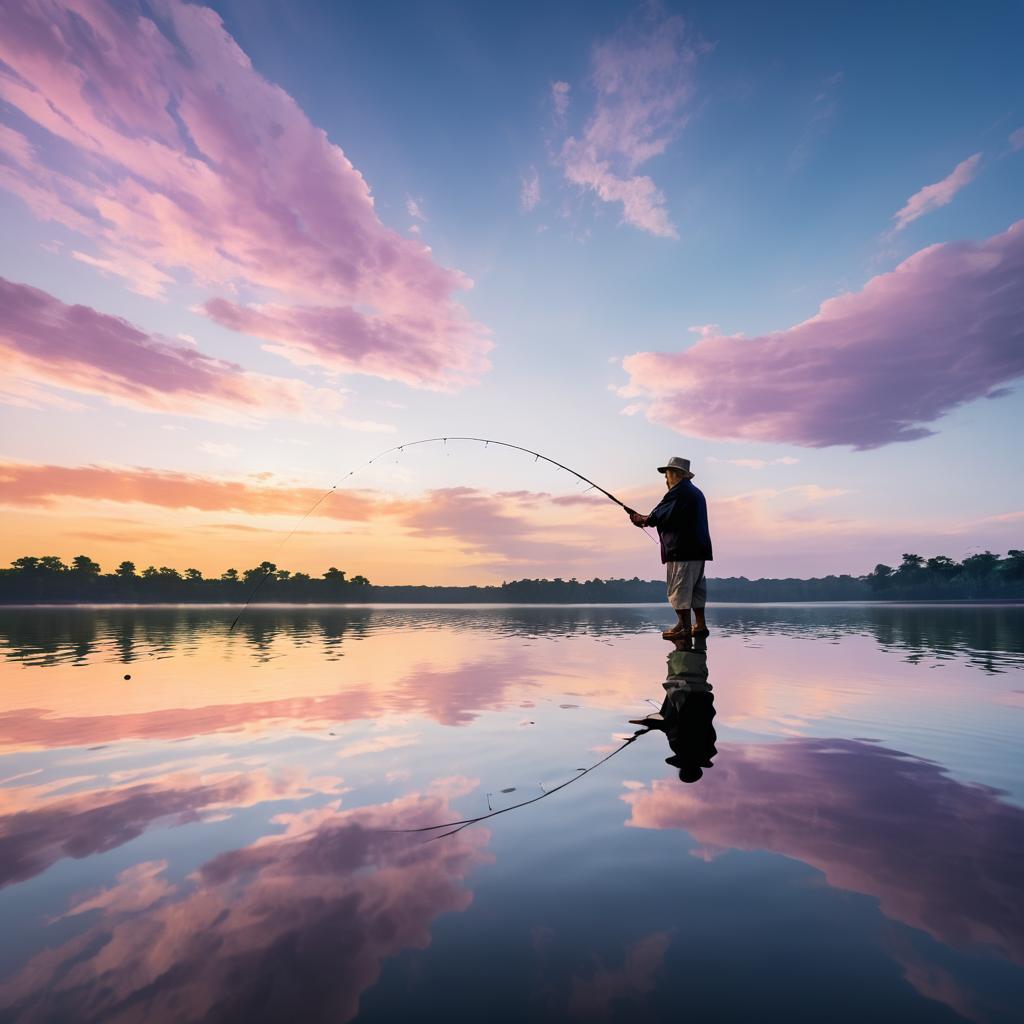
[[227, 834]]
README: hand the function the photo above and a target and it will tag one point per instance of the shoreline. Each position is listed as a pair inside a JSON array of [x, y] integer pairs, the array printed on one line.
[[921, 602]]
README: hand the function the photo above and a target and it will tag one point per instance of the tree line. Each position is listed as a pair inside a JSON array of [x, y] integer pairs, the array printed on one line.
[[48, 580], [984, 575]]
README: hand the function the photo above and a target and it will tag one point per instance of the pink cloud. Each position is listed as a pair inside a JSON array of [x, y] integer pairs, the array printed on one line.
[[870, 368], [41, 485], [416, 349], [560, 98], [931, 197], [492, 525], [529, 193], [1016, 139], [643, 78], [158, 140], [47, 343]]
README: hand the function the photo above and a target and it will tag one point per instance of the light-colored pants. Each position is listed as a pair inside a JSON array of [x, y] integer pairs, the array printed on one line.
[[687, 587]]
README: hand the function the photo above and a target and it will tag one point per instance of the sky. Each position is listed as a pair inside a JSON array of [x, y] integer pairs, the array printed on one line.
[[248, 246]]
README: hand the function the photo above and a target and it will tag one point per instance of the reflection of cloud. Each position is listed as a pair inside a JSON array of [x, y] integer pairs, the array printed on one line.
[[934, 981], [137, 888], [93, 821], [293, 927], [591, 997], [377, 745], [938, 855], [450, 696]]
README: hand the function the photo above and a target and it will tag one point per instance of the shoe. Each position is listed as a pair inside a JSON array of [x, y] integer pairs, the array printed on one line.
[[672, 632], [700, 632]]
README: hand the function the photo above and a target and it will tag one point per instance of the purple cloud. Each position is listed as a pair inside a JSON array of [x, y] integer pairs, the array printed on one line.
[[427, 349], [642, 77], [870, 368], [48, 343], [941, 193], [156, 138]]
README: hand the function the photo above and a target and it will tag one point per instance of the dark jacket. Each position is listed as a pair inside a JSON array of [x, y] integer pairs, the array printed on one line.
[[682, 523]]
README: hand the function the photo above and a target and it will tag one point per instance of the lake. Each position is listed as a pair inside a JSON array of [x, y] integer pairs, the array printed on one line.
[[334, 814]]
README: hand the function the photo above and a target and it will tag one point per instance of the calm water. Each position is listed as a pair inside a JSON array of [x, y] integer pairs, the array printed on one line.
[[225, 835]]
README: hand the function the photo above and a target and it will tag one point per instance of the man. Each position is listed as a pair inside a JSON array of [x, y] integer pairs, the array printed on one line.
[[682, 523]]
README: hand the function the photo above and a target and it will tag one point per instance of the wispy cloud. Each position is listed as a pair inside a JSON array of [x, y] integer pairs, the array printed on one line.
[[529, 191], [155, 138], [416, 349], [786, 460], [941, 193], [823, 110], [38, 485], [225, 450], [870, 368], [643, 78], [1016, 139], [560, 95]]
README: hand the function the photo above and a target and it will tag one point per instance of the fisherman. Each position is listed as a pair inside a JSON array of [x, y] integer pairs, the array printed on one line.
[[682, 523]]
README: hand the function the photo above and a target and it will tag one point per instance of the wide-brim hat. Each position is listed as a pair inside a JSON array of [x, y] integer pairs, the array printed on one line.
[[681, 465]]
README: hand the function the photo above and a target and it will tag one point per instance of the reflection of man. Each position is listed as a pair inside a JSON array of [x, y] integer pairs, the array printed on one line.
[[686, 720], [682, 523]]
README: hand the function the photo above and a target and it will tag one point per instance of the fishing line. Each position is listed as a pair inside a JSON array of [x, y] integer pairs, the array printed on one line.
[[400, 448], [458, 826]]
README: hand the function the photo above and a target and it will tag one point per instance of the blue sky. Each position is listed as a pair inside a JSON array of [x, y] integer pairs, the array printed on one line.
[[802, 131]]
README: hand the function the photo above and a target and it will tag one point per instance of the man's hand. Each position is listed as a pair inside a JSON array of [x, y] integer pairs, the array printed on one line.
[[637, 520]]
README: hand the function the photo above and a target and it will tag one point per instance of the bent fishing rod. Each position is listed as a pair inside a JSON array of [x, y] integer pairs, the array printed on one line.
[[485, 441]]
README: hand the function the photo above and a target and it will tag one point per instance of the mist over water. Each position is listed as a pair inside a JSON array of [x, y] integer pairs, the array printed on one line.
[[220, 836]]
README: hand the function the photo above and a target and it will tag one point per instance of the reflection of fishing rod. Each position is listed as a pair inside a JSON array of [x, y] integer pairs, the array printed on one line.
[[486, 441], [458, 826]]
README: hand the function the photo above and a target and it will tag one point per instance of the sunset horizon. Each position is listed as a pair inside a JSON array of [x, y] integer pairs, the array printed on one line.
[[221, 291]]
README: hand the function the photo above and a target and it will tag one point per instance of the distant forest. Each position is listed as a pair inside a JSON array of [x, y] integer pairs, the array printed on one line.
[[48, 580]]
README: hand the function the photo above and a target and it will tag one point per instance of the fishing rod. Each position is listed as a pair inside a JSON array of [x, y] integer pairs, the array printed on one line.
[[485, 441]]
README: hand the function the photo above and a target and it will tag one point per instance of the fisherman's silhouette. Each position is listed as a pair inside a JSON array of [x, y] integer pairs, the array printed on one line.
[[687, 714]]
